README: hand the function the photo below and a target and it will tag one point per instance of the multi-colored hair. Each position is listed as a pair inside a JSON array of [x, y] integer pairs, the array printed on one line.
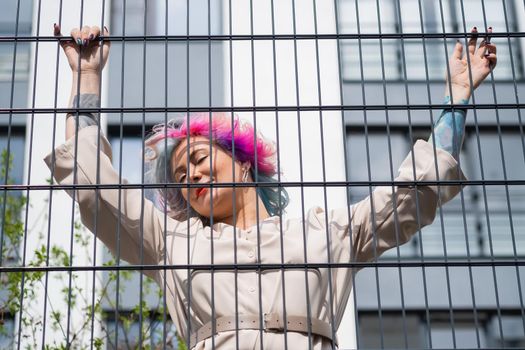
[[233, 135]]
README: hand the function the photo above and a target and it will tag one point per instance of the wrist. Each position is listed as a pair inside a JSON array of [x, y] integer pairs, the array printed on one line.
[[448, 101], [457, 94], [85, 83]]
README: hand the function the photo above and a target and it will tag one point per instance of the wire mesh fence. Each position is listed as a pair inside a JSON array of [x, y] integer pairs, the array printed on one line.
[[247, 174]]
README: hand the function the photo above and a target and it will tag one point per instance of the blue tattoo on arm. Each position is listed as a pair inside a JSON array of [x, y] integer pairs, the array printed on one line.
[[85, 119], [449, 129]]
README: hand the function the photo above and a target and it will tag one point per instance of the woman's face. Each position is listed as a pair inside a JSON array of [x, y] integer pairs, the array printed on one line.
[[191, 164]]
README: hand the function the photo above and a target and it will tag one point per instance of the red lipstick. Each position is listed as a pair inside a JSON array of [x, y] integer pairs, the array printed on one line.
[[201, 191]]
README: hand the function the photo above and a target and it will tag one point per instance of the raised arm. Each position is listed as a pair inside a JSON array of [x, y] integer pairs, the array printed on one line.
[[129, 224], [466, 72], [87, 58], [392, 214]]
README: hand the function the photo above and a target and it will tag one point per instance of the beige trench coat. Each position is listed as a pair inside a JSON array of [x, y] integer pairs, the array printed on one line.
[[375, 226]]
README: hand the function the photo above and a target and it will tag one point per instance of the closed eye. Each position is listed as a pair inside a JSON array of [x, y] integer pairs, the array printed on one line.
[[182, 178]]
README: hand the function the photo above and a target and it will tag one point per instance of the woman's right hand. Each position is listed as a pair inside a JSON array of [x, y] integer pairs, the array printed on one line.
[[84, 43]]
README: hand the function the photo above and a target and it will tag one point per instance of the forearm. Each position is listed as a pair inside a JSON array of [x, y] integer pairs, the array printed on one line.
[[83, 95], [449, 129]]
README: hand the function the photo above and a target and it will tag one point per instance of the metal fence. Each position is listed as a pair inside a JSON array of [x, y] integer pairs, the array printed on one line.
[[344, 89]]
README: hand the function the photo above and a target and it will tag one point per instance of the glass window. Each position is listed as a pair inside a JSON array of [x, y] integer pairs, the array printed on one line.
[[15, 176], [14, 88], [16, 148], [416, 16], [8, 27], [413, 326], [10, 250], [7, 331], [488, 221], [152, 334], [498, 209], [176, 72]]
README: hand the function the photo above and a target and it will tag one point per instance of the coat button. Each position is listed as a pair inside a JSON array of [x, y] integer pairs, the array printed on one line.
[[251, 254]]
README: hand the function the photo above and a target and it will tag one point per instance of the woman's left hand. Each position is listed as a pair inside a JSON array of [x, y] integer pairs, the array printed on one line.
[[480, 59]]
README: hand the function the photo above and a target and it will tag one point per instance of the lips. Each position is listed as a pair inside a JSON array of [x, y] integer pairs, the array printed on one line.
[[201, 192]]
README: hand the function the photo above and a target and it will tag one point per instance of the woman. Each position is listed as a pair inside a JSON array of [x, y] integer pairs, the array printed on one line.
[[201, 222]]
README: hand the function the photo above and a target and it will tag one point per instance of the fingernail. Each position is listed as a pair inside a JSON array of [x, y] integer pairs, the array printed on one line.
[[106, 28], [79, 42], [490, 27], [85, 42], [91, 37], [475, 28]]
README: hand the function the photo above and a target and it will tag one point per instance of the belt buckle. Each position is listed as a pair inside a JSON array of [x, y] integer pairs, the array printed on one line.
[[271, 323]]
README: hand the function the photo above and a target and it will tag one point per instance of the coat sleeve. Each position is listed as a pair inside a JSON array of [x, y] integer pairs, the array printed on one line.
[[121, 216], [392, 215]]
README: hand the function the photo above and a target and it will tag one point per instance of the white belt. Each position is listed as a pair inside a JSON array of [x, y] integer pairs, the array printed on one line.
[[272, 322]]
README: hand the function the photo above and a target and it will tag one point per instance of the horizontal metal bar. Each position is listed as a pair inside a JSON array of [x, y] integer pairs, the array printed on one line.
[[303, 108], [518, 261], [18, 187], [277, 37], [353, 127], [460, 312]]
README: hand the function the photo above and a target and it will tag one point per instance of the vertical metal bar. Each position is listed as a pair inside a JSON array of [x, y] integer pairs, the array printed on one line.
[[447, 272], [516, 95], [97, 191], [482, 171], [210, 136], [276, 101], [30, 154], [257, 210], [345, 150], [235, 270], [301, 169], [143, 132], [164, 200], [391, 167], [505, 178], [256, 180], [369, 174], [188, 207], [53, 160], [465, 228], [119, 205], [9, 127], [323, 162], [467, 246], [75, 180], [8, 160], [431, 118]]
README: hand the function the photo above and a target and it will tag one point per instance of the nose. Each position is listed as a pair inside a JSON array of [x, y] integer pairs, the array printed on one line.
[[195, 174], [195, 178]]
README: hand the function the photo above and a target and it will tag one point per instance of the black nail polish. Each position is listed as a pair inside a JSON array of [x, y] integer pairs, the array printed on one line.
[[91, 37]]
